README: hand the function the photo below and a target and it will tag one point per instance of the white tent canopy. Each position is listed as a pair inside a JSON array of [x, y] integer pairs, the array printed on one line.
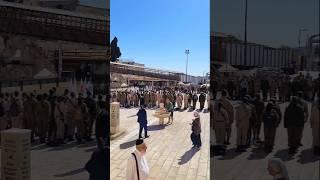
[[227, 68], [44, 74]]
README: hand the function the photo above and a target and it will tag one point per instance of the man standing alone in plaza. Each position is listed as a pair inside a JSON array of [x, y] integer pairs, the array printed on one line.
[[143, 122], [137, 166]]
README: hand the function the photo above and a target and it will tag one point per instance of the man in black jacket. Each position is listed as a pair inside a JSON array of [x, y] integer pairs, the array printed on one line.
[[294, 121]]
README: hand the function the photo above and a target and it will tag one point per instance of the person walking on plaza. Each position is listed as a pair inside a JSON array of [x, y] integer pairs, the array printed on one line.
[[42, 117], [143, 121], [243, 115], [277, 169], [185, 100], [294, 120], [98, 165], [271, 121], [59, 120], [202, 100], [220, 123], [137, 165], [196, 130], [315, 125], [170, 109]]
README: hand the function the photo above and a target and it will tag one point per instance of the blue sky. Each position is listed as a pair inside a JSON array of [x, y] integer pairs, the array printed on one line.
[[270, 22], [157, 32]]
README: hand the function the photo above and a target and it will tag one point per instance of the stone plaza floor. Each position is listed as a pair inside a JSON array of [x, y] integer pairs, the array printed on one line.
[[169, 152], [252, 165], [64, 162]]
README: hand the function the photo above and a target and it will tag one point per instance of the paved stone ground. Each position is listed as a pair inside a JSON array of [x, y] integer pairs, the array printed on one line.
[[252, 165], [169, 151], [63, 162]]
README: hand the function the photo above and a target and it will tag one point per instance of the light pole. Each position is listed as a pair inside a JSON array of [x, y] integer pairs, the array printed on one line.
[[245, 34], [299, 36], [187, 52]]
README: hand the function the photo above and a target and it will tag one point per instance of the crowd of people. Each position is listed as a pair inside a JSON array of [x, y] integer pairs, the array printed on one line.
[[55, 118], [252, 112], [181, 98], [174, 99]]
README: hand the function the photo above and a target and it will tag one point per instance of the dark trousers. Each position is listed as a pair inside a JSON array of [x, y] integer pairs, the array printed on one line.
[[201, 105], [294, 136], [269, 136], [145, 127], [196, 139]]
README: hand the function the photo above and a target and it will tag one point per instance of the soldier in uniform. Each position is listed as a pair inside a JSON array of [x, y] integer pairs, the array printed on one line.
[[43, 111], [29, 109], [220, 123], [306, 113], [92, 108], [16, 111], [194, 101], [202, 100], [259, 107], [226, 104], [70, 104], [81, 117], [271, 121], [243, 114], [294, 118], [315, 125], [59, 118]]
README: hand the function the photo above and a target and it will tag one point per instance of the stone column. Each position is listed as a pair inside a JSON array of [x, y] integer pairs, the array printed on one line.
[[114, 117], [15, 154]]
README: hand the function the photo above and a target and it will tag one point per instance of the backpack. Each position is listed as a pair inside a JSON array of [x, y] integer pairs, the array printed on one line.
[[14, 108], [1, 109]]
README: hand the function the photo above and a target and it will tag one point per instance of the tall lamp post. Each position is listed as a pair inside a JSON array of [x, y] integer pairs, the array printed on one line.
[[245, 34], [187, 52]]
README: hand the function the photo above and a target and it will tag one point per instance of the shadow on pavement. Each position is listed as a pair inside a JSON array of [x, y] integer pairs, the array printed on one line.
[[70, 173], [283, 155], [230, 154], [187, 156], [127, 145], [257, 153], [156, 127], [307, 156], [190, 110], [63, 147], [39, 147], [91, 149], [199, 110], [206, 111], [88, 144]]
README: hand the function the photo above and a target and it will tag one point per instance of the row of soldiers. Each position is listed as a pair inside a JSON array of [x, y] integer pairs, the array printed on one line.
[[251, 113], [283, 86], [151, 99], [54, 119]]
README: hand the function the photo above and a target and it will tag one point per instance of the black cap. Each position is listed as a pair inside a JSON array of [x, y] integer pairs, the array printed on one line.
[[139, 141]]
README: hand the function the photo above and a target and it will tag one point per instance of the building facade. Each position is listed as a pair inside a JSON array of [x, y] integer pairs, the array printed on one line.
[[227, 49]]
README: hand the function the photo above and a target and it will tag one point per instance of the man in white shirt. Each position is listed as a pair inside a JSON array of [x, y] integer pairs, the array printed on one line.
[[137, 166]]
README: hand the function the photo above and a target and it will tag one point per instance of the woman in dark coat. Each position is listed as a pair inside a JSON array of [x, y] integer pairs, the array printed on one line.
[[196, 131]]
